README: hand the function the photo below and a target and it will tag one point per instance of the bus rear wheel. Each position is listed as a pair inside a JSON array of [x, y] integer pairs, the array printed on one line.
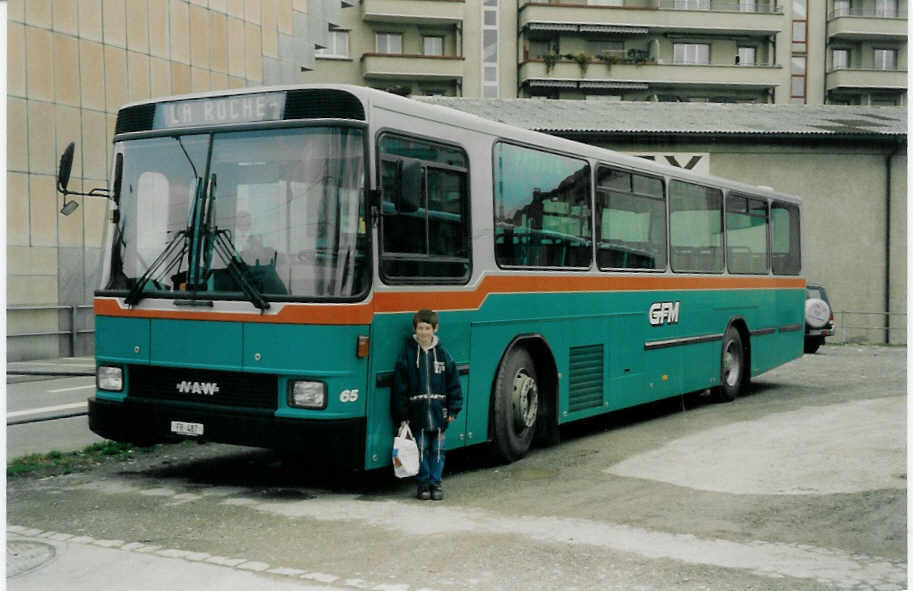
[[516, 405], [732, 366]]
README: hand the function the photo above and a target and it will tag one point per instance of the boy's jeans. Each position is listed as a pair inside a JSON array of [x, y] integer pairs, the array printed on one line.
[[431, 458]]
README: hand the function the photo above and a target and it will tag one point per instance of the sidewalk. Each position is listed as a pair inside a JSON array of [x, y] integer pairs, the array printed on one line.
[[43, 369], [46, 560]]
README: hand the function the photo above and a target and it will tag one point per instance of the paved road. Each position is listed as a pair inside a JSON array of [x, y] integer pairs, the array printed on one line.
[[32, 400], [800, 484]]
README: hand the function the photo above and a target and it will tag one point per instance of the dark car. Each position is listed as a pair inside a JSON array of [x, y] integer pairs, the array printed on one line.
[[819, 317]]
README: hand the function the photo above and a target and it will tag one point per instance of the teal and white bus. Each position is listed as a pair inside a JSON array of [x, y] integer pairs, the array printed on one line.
[[268, 247]]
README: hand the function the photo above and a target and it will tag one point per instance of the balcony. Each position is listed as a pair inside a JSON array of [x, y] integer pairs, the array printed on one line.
[[441, 12], [867, 24], [870, 79], [642, 16], [386, 66], [568, 74]]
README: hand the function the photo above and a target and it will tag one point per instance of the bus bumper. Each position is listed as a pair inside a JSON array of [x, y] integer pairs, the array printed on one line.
[[340, 441]]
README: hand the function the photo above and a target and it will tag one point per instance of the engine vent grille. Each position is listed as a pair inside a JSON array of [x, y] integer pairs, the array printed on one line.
[[586, 378]]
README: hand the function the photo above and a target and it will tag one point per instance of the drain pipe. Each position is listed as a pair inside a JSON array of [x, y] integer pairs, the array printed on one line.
[[887, 244]]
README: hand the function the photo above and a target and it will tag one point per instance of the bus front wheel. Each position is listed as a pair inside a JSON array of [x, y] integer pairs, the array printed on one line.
[[516, 405], [732, 366]]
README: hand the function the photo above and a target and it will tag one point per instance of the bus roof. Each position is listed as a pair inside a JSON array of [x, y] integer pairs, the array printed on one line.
[[377, 99]]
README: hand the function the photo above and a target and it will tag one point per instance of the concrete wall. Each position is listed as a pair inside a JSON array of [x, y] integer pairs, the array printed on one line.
[[71, 65]]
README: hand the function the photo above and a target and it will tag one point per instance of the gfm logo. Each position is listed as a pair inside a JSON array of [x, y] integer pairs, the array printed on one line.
[[664, 313], [204, 388]]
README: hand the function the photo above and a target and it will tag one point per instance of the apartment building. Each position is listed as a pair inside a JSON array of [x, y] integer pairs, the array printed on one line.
[[851, 52]]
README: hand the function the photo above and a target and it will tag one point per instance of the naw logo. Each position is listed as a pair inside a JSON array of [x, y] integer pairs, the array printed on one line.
[[203, 388]]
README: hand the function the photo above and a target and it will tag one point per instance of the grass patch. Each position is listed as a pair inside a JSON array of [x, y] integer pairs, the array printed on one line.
[[57, 462]]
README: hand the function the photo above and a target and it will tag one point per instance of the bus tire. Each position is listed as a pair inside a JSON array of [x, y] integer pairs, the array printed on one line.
[[732, 366], [516, 405]]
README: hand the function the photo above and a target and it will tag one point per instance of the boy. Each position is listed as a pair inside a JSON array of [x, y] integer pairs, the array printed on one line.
[[427, 395]]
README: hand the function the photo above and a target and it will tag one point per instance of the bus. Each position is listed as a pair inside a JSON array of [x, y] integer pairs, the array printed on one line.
[[267, 248]]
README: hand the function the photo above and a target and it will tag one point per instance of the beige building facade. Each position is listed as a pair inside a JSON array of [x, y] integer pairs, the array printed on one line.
[[71, 64], [850, 52]]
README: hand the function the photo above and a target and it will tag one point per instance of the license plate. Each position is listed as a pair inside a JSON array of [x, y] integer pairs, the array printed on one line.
[[181, 428]]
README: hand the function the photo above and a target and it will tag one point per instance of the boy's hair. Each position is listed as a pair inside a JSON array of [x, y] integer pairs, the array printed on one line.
[[429, 316]]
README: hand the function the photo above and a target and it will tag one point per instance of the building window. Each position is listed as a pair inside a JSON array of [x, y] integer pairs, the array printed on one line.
[[605, 2], [840, 59], [433, 46], [886, 8], [841, 7], [692, 4], [748, 6], [885, 59], [746, 56], [490, 88], [691, 53], [800, 26], [389, 42], [338, 45], [797, 80]]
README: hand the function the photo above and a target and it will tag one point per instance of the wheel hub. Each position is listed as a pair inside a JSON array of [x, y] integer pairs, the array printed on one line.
[[732, 365], [525, 400]]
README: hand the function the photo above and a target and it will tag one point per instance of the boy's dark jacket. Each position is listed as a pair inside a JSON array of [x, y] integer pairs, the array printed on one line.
[[422, 395]]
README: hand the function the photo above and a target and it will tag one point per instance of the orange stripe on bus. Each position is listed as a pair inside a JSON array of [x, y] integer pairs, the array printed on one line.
[[407, 301]]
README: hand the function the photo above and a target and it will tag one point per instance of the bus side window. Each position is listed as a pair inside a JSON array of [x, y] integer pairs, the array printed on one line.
[[425, 234], [786, 248], [746, 235], [695, 228], [542, 209], [630, 221]]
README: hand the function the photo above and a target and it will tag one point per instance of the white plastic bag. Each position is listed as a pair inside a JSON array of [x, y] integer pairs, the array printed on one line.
[[405, 453]]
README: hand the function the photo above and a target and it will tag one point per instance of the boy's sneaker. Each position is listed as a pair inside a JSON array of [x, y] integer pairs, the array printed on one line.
[[423, 493], [437, 494]]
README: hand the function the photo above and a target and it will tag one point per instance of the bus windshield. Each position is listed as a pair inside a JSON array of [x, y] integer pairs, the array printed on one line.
[[283, 206]]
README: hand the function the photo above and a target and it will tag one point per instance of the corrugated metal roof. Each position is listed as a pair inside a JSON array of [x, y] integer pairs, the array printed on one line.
[[578, 117]]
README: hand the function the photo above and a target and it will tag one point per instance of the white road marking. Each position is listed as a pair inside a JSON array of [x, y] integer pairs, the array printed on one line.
[[74, 388], [43, 409]]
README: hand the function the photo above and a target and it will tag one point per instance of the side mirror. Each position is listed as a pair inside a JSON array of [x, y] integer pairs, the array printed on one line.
[[411, 187], [66, 165]]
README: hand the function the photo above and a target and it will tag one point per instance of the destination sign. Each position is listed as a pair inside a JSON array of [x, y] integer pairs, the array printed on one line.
[[247, 108]]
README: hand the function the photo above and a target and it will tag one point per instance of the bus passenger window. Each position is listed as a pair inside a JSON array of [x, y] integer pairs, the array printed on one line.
[[542, 209], [630, 221], [695, 228], [746, 235], [786, 248]]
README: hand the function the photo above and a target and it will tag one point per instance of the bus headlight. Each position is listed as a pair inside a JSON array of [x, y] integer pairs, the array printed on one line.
[[302, 394], [109, 377]]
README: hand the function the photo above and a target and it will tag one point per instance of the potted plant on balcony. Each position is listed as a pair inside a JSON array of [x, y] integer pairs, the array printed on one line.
[[608, 59], [582, 59], [551, 58], [638, 57]]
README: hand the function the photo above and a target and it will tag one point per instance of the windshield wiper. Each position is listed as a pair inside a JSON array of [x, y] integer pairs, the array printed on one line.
[[237, 268], [136, 294]]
